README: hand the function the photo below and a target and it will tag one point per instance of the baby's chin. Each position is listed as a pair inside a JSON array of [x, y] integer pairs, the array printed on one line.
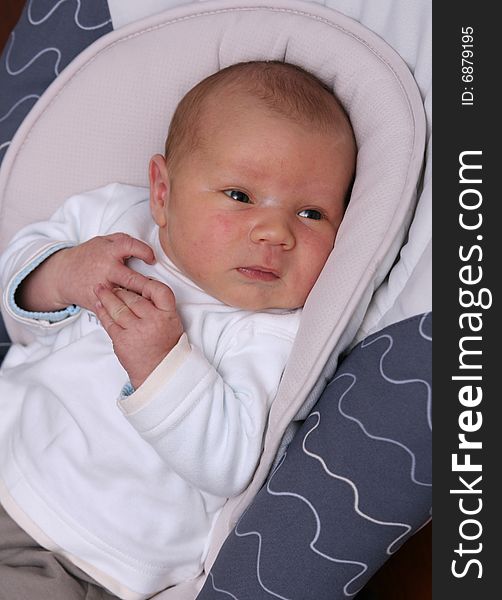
[[256, 303]]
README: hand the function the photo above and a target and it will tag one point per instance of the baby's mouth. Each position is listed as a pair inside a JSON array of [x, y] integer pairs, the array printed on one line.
[[259, 273]]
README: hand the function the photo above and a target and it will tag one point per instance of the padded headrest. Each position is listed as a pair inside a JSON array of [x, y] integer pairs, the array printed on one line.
[[108, 112]]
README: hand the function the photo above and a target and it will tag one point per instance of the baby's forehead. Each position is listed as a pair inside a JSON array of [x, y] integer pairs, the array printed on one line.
[[229, 97], [232, 106]]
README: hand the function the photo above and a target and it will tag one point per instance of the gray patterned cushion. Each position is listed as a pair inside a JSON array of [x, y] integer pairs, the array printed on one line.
[[46, 39], [354, 485]]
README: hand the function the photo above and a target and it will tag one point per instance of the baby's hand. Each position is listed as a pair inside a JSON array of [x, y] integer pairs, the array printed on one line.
[[143, 328], [101, 260], [70, 275]]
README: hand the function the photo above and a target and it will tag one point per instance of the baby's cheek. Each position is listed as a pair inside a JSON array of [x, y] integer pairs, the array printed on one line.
[[318, 247], [224, 226], [315, 256], [223, 236], [306, 284]]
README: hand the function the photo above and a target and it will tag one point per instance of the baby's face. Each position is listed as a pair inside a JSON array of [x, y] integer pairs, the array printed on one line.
[[251, 215]]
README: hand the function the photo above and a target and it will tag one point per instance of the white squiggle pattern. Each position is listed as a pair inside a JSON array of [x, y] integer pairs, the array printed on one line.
[[13, 108], [336, 550], [377, 437], [12, 71], [357, 510], [216, 589], [76, 16], [258, 561], [421, 328], [365, 343], [47, 68], [364, 566]]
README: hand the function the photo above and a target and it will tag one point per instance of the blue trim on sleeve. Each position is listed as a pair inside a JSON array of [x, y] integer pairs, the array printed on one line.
[[53, 316], [127, 390]]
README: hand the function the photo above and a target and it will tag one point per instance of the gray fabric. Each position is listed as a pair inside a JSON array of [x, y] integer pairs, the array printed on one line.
[[29, 572], [354, 484], [4, 340], [47, 37]]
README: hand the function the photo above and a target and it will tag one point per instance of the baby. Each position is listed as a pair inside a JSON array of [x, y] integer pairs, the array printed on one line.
[[188, 319]]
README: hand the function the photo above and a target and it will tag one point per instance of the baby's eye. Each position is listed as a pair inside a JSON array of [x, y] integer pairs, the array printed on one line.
[[310, 213], [237, 195]]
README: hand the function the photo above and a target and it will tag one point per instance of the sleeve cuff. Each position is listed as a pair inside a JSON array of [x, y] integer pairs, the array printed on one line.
[[52, 316], [127, 390], [131, 401]]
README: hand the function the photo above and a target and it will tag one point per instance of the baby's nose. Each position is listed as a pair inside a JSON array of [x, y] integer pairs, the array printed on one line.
[[274, 230]]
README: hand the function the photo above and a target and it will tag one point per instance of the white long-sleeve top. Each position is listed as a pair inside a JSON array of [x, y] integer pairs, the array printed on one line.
[[129, 490]]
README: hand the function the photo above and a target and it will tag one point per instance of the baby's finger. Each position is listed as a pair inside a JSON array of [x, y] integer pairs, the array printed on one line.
[[127, 278], [139, 305], [126, 246], [116, 309], [160, 294], [108, 323]]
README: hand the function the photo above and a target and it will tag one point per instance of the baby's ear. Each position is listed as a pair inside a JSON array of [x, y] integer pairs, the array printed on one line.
[[159, 189]]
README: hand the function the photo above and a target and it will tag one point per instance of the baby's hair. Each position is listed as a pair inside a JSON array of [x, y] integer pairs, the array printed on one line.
[[285, 89]]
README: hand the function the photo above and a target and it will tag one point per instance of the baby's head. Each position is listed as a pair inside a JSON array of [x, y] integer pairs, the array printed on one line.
[[252, 189]]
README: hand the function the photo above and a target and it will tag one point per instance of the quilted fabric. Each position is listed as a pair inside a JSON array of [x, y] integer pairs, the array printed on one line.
[[355, 484]]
